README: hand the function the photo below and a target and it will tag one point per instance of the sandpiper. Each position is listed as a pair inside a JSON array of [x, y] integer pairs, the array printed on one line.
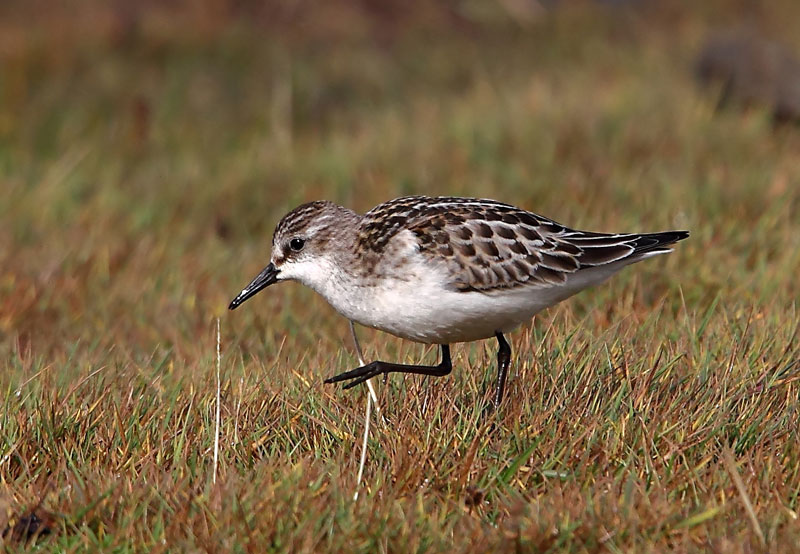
[[441, 270]]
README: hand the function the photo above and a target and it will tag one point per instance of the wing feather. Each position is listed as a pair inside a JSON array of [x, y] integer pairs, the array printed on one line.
[[488, 245]]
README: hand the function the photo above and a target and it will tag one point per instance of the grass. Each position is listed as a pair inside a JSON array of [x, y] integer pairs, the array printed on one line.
[[142, 177]]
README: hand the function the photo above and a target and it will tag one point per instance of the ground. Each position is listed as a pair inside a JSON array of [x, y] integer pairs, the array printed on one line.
[[146, 156]]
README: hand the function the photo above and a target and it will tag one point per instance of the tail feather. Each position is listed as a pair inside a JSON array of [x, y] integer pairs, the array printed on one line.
[[653, 243], [598, 249]]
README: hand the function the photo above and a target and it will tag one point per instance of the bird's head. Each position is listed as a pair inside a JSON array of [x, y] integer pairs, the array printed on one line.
[[304, 245]]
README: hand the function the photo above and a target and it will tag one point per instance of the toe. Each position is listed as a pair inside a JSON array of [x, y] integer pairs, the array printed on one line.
[[353, 374]]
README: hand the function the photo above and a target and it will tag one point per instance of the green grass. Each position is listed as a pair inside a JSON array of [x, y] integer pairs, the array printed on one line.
[[141, 182]]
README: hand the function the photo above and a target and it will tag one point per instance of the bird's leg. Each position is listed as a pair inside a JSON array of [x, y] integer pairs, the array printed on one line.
[[370, 370], [503, 361]]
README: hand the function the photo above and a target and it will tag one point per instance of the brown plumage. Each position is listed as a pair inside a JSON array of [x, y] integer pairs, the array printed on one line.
[[490, 245]]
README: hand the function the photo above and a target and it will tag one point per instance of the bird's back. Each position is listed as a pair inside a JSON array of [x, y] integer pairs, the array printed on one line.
[[490, 246]]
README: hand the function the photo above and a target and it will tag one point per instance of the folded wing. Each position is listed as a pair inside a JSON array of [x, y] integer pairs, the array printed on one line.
[[491, 246]]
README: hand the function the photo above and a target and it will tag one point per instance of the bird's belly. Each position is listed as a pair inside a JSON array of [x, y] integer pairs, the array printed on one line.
[[437, 315], [456, 317], [427, 312]]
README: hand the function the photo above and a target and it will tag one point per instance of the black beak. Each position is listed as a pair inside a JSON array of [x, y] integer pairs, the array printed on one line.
[[267, 277]]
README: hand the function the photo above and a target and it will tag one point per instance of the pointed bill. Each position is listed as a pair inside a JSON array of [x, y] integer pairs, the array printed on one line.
[[267, 277]]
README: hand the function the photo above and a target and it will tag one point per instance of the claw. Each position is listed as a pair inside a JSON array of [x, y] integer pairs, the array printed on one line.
[[360, 374], [357, 381]]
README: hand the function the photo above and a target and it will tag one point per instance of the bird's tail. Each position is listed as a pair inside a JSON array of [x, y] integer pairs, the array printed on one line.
[[649, 244]]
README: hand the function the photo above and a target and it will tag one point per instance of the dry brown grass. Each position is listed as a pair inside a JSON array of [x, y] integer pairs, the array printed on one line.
[[141, 180]]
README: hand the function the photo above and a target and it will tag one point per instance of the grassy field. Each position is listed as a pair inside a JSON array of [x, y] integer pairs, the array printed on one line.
[[143, 168]]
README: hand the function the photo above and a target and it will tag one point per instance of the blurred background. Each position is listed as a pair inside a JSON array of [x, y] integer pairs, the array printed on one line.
[[148, 148]]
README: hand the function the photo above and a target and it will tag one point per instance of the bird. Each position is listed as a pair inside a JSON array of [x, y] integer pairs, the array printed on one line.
[[443, 270]]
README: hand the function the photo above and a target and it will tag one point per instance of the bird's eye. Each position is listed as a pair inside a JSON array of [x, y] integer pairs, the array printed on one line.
[[297, 244]]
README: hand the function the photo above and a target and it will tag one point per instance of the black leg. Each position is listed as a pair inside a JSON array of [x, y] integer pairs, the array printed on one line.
[[361, 374], [503, 361]]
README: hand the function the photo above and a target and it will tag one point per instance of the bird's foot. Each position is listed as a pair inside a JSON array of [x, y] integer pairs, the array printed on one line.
[[358, 375]]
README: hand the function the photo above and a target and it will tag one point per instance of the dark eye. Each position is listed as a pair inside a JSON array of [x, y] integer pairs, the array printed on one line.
[[297, 244]]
